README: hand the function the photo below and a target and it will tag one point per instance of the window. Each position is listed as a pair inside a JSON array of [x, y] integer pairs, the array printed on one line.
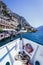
[[37, 63], [7, 63]]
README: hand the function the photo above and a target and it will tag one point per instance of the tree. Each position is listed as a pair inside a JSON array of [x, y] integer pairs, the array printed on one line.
[[1, 29]]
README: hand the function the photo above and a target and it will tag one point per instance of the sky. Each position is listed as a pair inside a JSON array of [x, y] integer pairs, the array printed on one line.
[[31, 10]]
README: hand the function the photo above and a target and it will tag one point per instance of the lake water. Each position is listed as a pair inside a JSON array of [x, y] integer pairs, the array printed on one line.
[[36, 37]]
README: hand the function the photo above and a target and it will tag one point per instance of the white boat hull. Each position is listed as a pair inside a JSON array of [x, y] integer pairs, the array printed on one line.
[[8, 52]]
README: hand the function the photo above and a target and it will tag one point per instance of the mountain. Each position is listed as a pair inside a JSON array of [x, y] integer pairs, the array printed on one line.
[[6, 12], [39, 31], [40, 28]]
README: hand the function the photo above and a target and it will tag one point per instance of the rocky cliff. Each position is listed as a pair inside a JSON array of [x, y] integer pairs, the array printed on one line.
[[6, 12]]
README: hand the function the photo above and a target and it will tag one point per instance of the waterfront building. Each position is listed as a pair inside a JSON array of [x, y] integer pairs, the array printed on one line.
[[6, 23]]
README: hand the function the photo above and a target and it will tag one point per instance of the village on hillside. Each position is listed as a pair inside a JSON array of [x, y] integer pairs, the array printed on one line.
[[10, 23]]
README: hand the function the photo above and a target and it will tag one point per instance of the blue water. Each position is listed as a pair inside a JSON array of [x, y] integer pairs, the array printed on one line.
[[36, 37]]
